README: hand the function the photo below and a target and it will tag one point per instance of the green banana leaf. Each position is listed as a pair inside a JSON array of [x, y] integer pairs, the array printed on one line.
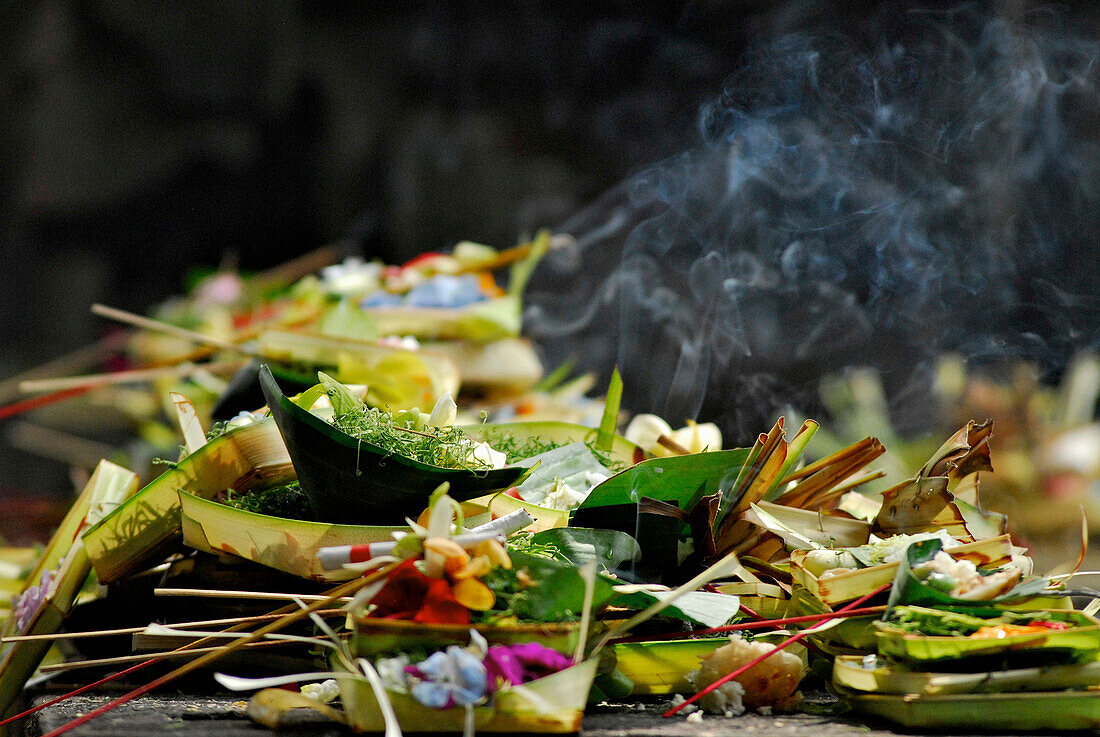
[[1079, 641], [704, 608], [573, 465], [851, 672], [681, 480], [908, 589], [67, 558], [284, 544], [1008, 712], [660, 667], [397, 378], [559, 593], [355, 482], [146, 528]]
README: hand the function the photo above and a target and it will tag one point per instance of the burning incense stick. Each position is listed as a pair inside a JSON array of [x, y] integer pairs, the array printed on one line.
[[786, 643]]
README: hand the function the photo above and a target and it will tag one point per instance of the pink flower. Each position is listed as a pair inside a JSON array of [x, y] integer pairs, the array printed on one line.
[[522, 663]]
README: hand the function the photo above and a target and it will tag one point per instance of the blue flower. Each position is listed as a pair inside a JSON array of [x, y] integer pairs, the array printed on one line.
[[455, 676]]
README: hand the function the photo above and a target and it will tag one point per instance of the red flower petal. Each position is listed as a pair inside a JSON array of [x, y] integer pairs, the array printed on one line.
[[441, 607]]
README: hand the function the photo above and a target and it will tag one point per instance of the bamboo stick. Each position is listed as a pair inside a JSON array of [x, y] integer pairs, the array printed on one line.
[[257, 595], [143, 628], [126, 377], [205, 659], [141, 657], [298, 267], [768, 445], [341, 590], [67, 448], [130, 318]]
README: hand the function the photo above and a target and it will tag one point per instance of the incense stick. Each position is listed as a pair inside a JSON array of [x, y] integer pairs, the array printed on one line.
[[786, 643], [338, 593], [667, 442], [77, 360], [26, 405], [177, 625]]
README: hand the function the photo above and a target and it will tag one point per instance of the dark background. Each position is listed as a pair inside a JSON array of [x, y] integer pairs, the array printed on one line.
[[141, 140]]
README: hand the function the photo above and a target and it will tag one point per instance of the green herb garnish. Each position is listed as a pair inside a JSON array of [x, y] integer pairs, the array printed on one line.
[[288, 502]]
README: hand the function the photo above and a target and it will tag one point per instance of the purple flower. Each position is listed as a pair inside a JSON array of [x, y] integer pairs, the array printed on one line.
[[28, 604], [522, 663]]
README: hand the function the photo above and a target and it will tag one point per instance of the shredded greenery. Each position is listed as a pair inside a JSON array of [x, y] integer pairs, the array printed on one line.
[[288, 502], [524, 542], [444, 447], [217, 430], [407, 435], [946, 623]]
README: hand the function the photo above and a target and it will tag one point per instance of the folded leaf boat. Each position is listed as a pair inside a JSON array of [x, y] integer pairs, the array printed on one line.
[[287, 545], [553, 704], [141, 532], [352, 481]]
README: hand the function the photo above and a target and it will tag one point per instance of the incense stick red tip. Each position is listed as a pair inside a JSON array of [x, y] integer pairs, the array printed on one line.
[[76, 692], [789, 641], [27, 405]]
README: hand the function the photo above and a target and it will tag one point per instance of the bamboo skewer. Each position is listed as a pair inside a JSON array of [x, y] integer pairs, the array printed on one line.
[[142, 657], [72, 450], [293, 270], [125, 377], [340, 591], [140, 321], [257, 595], [178, 625], [297, 615]]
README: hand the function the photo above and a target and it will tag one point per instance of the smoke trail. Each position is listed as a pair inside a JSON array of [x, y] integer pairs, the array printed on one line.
[[847, 205]]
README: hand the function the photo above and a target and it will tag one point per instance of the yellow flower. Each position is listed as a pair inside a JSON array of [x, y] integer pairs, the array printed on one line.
[[495, 552], [473, 594]]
